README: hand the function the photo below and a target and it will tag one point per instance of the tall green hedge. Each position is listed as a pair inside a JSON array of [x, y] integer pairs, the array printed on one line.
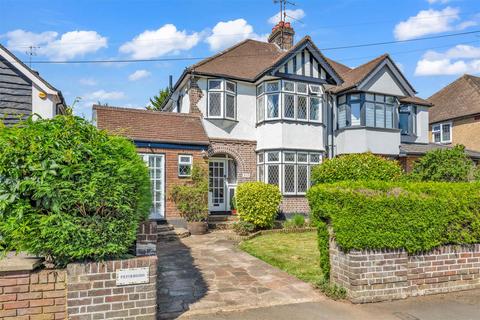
[[353, 167], [382, 215], [257, 203], [69, 191]]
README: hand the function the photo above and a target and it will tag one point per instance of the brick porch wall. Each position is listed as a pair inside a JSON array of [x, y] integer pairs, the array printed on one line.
[[379, 275], [243, 151], [171, 172], [294, 204]]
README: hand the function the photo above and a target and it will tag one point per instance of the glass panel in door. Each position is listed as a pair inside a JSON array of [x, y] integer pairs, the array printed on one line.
[[217, 176]]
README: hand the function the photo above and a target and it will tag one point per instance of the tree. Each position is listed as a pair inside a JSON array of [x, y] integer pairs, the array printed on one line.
[[157, 101]]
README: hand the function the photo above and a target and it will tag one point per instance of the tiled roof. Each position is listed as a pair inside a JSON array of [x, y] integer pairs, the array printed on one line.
[[152, 126], [416, 100], [422, 148], [458, 99]]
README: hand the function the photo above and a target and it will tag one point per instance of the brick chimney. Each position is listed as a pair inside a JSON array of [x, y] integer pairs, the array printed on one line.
[[282, 34]]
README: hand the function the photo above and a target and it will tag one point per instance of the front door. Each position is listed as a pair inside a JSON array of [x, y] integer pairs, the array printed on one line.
[[156, 167], [217, 200]]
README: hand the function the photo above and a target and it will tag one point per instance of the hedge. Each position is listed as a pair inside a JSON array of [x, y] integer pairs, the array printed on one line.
[[416, 216], [258, 203], [353, 167], [69, 191]]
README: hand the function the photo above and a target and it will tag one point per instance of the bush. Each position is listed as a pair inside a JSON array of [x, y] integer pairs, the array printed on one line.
[[450, 165], [414, 216], [257, 203], [296, 221], [69, 191], [191, 198], [332, 291], [364, 166], [243, 228]]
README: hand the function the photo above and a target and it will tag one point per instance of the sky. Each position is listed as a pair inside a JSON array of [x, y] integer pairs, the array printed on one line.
[[187, 31]]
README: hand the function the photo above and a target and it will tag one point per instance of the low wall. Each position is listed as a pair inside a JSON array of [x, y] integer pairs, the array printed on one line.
[[379, 275]]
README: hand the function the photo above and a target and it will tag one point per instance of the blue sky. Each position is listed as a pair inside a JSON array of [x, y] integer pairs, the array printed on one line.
[[148, 29]]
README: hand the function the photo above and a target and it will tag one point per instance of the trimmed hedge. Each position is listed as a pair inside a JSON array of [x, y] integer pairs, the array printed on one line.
[[414, 216], [69, 191], [257, 203], [353, 167]]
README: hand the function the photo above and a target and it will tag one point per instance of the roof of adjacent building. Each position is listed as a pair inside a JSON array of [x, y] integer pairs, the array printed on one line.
[[458, 99], [151, 126], [422, 148]]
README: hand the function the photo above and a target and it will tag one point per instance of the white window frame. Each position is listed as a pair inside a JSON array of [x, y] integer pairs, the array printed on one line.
[[440, 131], [182, 163], [223, 98]]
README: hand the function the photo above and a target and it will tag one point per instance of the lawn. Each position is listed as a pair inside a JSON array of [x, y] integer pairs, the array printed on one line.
[[294, 253]]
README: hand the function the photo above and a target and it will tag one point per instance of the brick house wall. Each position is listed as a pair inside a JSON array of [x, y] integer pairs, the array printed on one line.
[[171, 172], [407, 162], [465, 131], [294, 204], [379, 275]]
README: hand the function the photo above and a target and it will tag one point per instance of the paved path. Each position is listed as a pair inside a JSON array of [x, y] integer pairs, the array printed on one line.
[[453, 306], [204, 274]]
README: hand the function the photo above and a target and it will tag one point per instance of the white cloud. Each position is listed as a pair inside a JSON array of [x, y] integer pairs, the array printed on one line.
[[457, 60], [295, 14], [101, 95], [228, 33], [88, 82], [156, 43], [430, 22], [69, 45], [139, 74]]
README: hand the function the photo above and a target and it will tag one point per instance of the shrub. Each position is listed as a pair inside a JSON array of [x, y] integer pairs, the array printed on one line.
[[191, 198], [243, 228], [257, 203], [364, 166], [69, 191], [296, 221], [450, 165], [416, 216], [332, 291]]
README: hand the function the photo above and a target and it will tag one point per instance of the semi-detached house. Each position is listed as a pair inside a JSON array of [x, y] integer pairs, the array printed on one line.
[[273, 110]]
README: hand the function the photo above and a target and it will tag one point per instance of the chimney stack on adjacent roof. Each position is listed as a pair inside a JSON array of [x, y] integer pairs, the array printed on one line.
[[282, 35]]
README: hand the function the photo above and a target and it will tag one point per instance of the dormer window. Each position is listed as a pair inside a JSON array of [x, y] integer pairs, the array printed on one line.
[[222, 99], [289, 100]]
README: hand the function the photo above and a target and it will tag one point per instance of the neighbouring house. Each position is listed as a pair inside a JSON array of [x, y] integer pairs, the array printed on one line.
[[270, 111], [23, 92], [455, 117]]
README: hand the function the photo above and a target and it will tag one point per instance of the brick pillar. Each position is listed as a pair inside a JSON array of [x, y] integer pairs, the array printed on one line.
[[194, 95], [147, 239]]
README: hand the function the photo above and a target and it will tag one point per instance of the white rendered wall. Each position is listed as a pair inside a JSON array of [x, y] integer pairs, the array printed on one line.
[[290, 135], [45, 108], [360, 140]]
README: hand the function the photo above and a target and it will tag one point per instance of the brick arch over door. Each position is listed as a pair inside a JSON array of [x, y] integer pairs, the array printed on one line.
[[243, 152]]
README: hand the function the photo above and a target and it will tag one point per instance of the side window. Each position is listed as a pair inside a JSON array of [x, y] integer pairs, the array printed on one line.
[[185, 165]]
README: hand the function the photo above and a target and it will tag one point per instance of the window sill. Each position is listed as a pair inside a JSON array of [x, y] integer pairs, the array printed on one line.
[[313, 123], [368, 128]]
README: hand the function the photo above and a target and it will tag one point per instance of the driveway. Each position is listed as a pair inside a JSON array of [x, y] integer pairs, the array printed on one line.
[[205, 274]]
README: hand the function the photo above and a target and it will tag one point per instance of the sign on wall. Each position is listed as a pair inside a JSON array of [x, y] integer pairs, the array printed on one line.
[[132, 276]]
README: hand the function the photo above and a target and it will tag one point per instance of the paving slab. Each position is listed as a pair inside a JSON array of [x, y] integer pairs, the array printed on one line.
[[208, 273]]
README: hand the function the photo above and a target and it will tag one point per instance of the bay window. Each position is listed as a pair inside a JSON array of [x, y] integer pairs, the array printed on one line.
[[288, 169], [442, 133], [283, 99], [221, 99]]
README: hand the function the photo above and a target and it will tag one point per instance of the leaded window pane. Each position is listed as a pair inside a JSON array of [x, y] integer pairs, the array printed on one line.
[[260, 89], [214, 104], [215, 85], [273, 156], [302, 178], [301, 87], [379, 116], [231, 86], [314, 89], [314, 158], [314, 108], [184, 170], [272, 86], [230, 106], [260, 157], [302, 107], [302, 157], [289, 86], [289, 178], [289, 106], [260, 108], [273, 174], [289, 156], [369, 114], [272, 106], [261, 173]]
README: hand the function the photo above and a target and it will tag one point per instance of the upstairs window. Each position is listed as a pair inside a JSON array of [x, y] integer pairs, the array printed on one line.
[[289, 100], [222, 99], [442, 133], [407, 119]]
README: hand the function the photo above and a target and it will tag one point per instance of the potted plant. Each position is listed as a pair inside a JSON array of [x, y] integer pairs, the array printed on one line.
[[191, 200], [233, 206]]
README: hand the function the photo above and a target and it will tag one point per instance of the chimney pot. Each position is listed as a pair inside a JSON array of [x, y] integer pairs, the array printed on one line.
[[282, 35]]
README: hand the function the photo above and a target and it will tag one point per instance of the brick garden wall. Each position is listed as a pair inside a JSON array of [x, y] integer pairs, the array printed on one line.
[[379, 275], [294, 204], [33, 295], [147, 237]]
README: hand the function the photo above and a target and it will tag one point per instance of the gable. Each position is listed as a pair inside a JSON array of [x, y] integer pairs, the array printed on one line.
[[385, 82], [303, 63]]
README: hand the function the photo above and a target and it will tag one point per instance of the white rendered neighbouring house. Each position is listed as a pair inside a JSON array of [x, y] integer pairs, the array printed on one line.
[[272, 110]]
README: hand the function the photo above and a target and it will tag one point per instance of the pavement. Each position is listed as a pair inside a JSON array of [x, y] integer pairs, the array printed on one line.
[[208, 277]]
